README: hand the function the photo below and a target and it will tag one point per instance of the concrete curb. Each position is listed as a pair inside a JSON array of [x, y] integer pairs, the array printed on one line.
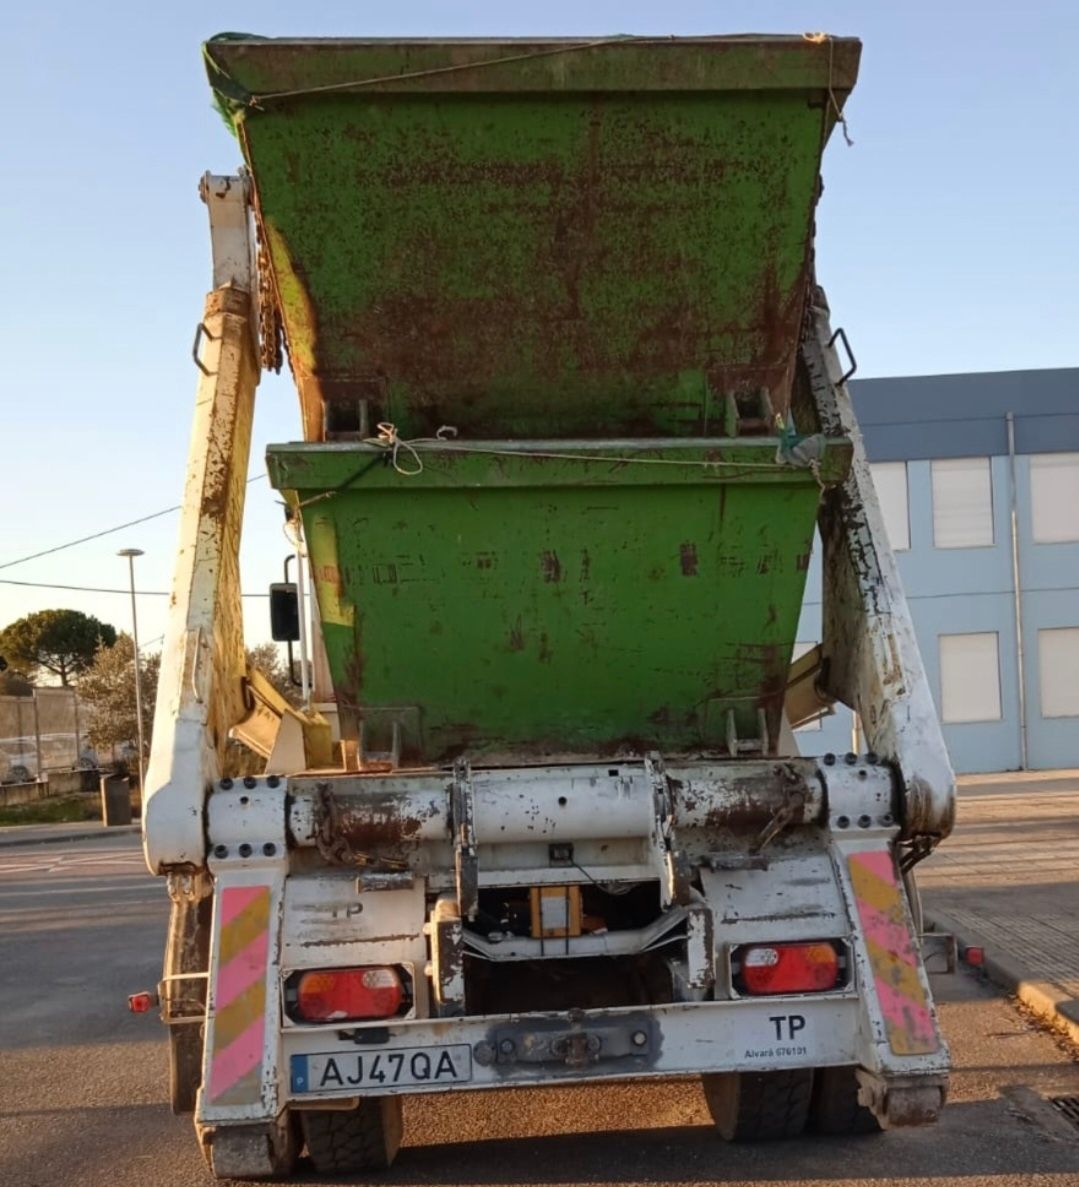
[[1044, 999], [41, 835]]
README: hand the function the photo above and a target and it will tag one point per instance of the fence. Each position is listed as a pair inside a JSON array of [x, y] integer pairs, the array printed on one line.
[[41, 733]]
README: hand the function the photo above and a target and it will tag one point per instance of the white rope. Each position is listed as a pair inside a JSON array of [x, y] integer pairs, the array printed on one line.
[[388, 439], [841, 119]]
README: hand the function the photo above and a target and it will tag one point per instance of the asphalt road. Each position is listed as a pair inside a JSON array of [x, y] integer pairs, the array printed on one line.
[[82, 1082]]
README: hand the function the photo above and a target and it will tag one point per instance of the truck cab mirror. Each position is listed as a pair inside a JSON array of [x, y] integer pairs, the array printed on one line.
[[284, 612]]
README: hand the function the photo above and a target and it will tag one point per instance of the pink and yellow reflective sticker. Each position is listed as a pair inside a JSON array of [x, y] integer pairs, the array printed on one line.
[[239, 995], [893, 954]]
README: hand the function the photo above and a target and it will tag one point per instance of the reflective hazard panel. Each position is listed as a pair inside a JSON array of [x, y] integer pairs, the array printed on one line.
[[893, 954]]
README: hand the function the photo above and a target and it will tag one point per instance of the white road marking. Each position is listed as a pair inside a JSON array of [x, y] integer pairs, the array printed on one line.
[[49, 863]]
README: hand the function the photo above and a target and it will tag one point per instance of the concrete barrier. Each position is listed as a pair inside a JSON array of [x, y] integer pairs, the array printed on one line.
[[64, 782], [14, 794]]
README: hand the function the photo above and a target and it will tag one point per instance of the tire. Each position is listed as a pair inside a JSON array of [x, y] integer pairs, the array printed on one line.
[[835, 1108], [185, 1066], [187, 951], [759, 1106], [341, 1142]]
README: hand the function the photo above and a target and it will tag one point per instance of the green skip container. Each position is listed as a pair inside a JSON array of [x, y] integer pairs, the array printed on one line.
[[569, 279]]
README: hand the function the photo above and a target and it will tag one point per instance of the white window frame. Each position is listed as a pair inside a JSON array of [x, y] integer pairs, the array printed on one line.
[[1054, 508], [951, 714], [1062, 665], [899, 540], [948, 529]]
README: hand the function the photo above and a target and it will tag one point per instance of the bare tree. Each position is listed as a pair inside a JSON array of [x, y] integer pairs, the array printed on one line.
[[107, 688]]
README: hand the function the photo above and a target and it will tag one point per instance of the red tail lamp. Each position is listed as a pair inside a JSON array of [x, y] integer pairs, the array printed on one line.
[[348, 995], [788, 968]]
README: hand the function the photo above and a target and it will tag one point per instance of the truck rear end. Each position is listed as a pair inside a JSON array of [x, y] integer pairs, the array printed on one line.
[[572, 411]]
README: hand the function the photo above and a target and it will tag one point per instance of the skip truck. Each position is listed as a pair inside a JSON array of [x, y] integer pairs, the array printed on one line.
[[572, 412]]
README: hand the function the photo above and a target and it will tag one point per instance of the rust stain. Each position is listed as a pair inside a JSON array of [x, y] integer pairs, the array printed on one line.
[[552, 567], [688, 555], [517, 636]]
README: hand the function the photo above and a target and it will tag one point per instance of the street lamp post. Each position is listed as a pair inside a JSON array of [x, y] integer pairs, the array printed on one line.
[[131, 553]]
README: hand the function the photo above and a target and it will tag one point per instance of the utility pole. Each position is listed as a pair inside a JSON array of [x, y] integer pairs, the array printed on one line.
[[131, 553]]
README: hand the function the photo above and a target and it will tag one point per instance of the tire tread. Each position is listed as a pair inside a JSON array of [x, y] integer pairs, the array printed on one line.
[[365, 1138], [835, 1108], [760, 1106]]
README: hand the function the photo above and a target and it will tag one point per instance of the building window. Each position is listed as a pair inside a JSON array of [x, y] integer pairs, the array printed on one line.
[[962, 503], [969, 678], [1058, 671], [890, 480], [1054, 497]]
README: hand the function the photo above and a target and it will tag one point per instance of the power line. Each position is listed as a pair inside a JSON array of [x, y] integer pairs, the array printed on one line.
[[150, 593], [97, 536]]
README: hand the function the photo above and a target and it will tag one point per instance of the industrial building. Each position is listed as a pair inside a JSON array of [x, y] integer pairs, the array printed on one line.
[[978, 479]]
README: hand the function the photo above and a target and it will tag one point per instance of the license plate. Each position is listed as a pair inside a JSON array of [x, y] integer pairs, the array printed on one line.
[[339, 1071]]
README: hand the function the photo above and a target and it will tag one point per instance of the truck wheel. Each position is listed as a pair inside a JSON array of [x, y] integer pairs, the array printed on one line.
[[759, 1106], [341, 1142], [835, 1108], [185, 1066]]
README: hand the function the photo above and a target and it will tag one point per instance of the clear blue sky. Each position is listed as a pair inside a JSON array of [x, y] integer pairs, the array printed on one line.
[[948, 236]]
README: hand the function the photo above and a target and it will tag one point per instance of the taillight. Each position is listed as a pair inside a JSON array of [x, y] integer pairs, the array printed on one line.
[[348, 995], [787, 968]]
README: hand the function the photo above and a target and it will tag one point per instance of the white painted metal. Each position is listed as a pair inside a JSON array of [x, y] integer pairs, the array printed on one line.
[[228, 199], [246, 824], [202, 658], [685, 1039], [328, 922], [799, 890], [563, 804], [874, 665]]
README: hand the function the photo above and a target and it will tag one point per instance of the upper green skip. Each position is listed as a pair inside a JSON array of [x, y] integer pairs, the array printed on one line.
[[537, 238]]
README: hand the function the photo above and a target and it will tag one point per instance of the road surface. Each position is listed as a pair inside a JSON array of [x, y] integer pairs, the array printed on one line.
[[82, 1082]]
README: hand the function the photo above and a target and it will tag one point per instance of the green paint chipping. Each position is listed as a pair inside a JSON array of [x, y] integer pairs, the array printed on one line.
[[515, 604], [591, 260], [562, 241]]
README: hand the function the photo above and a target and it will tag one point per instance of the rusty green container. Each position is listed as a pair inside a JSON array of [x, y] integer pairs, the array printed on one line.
[[592, 261], [539, 239]]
